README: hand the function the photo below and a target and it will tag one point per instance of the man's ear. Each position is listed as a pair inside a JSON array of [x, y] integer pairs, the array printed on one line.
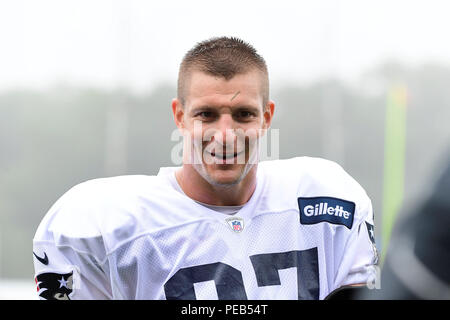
[[268, 114], [178, 113]]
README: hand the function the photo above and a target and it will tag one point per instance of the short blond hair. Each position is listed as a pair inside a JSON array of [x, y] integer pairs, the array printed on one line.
[[223, 57]]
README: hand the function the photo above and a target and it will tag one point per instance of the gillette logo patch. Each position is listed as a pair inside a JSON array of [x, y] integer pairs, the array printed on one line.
[[326, 209]]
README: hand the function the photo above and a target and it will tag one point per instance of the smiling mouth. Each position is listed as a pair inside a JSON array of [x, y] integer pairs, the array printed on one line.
[[225, 156]]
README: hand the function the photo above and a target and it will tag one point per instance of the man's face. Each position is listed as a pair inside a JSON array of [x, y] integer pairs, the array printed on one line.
[[221, 122]]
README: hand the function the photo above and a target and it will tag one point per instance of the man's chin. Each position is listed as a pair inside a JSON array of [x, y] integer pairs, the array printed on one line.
[[225, 179], [224, 175]]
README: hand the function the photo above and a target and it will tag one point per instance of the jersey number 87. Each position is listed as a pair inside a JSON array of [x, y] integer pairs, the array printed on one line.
[[229, 283]]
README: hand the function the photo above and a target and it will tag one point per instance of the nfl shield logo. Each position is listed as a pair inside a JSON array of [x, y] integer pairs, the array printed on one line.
[[236, 224]]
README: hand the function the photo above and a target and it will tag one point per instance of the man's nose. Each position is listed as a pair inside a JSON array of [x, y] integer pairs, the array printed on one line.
[[225, 130]]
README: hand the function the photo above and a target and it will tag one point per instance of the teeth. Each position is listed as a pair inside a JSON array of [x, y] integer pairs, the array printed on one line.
[[224, 156]]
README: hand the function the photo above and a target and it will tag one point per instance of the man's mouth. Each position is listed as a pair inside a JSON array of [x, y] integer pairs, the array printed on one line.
[[225, 157]]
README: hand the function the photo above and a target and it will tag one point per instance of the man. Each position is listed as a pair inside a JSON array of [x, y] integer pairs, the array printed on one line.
[[222, 226]]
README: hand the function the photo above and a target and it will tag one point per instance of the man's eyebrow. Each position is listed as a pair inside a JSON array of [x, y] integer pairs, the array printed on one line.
[[247, 107], [217, 109], [203, 107], [208, 107]]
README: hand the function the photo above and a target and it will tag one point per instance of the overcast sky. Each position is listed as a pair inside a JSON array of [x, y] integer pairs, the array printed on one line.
[[140, 43]]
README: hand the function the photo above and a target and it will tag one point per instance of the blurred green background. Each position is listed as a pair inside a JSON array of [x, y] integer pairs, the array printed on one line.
[[51, 140]]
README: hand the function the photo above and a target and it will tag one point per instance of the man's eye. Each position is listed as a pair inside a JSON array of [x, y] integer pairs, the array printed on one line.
[[205, 114], [244, 114]]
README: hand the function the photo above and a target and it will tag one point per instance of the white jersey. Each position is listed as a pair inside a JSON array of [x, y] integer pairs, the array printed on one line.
[[306, 231]]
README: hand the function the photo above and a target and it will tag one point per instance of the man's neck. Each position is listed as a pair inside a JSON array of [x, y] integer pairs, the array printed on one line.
[[197, 188]]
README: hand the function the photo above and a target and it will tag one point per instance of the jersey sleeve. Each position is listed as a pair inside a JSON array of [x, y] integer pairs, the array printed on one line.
[[69, 252], [360, 259], [62, 273]]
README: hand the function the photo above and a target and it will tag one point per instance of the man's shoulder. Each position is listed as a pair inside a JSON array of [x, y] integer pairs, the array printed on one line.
[[312, 168], [306, 161], [312, 177], [96, 208]]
